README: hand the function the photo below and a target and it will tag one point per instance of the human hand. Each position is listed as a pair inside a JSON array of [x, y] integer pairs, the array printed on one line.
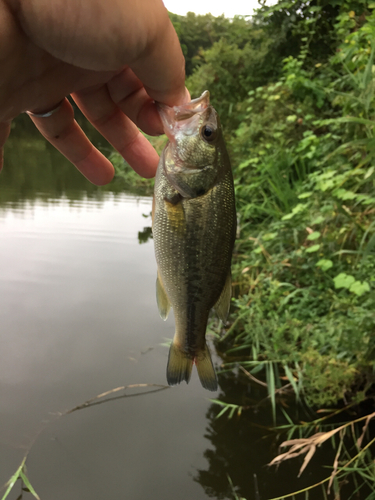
[[115, 58]]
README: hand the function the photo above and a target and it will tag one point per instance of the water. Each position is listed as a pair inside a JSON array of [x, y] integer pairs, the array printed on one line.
[[78, 318]]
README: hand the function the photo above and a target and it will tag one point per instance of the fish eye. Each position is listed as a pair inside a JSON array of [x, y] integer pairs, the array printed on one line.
[[208, 132]]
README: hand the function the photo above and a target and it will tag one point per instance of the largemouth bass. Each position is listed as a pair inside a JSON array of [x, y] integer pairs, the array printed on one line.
[[194, 228]]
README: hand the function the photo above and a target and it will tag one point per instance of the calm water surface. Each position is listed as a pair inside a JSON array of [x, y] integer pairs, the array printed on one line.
[[78, 317]]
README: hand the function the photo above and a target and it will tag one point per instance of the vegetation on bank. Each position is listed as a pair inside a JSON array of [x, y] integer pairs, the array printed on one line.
[[294, 88]]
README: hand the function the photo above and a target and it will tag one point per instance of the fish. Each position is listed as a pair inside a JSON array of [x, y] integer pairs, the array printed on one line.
[[194, 230]]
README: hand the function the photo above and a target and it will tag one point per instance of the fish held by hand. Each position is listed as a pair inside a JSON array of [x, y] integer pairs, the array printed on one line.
[[194, 228]]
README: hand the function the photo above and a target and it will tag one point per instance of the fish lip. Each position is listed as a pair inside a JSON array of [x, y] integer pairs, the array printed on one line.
[[170, 115]]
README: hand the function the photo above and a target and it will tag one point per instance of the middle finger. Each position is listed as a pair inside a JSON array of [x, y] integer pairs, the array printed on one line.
[[98, 107]]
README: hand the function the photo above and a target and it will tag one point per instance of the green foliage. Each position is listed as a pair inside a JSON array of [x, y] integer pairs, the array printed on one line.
[[305, 261], [228, 69], [21, 473], [198, 33], [326, 378]]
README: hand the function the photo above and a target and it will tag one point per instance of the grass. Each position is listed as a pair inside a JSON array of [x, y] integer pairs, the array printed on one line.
[[20, 474]]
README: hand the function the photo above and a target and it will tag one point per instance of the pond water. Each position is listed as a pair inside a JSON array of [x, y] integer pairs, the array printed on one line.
[[78, 318]]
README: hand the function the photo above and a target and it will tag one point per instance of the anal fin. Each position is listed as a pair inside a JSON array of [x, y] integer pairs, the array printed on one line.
[[162, 299], [223, 304]]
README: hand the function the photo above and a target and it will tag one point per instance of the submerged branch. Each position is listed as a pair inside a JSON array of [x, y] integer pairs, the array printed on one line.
[[98, 399]]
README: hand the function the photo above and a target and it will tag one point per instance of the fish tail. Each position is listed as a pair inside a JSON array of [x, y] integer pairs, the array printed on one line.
[[206, 370], [179, 366]]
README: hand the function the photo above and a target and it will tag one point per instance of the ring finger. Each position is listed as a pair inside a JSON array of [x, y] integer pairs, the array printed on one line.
[[64, 133]]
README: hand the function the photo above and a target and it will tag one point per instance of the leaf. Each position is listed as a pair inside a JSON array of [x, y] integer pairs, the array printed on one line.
[[13, 479], [344, 194], [324, 264], [364, 429], [305, 195], [222, 412], [291, 118], [269, 236], [369, 172], [347, 119], [318, 220], [291, 379], [335, 466], [343, 280], [25, 479], [217, 401], [270, 376], [298, 208], [307, 459], [313, 236], [10, 484], [312, 249], [359, 288], [304, 445], [244, 164]]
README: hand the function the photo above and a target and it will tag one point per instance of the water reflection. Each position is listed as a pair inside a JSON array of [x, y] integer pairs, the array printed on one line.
[[145, 235], [78, 318], [35, 169], [242, 446]]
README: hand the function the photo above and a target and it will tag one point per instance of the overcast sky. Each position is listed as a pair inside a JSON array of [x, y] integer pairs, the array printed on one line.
[[229, 8]]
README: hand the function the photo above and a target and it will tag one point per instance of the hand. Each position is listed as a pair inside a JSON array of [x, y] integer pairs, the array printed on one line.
[[115, 58]]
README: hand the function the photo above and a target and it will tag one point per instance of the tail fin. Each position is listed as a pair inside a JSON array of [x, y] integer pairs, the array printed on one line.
[[206, 370], [179, 366]]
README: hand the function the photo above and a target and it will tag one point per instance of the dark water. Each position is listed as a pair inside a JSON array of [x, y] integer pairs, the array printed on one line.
[[78, 318]]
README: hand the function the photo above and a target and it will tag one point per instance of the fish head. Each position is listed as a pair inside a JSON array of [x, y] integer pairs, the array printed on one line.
[[194, 133]]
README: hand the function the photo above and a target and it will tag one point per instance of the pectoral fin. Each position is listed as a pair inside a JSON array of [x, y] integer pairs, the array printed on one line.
[[223, 304], [162, 299]]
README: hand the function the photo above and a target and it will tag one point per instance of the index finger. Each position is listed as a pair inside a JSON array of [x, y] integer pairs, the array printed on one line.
[[161, 66]]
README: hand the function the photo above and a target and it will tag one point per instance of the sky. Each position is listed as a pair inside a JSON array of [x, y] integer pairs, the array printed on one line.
[[229, 8]]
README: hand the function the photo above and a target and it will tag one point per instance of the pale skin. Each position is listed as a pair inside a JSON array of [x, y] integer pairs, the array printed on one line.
[[116, 58]]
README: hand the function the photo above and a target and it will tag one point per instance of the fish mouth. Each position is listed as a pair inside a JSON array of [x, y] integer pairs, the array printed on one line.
[[170, 116]]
